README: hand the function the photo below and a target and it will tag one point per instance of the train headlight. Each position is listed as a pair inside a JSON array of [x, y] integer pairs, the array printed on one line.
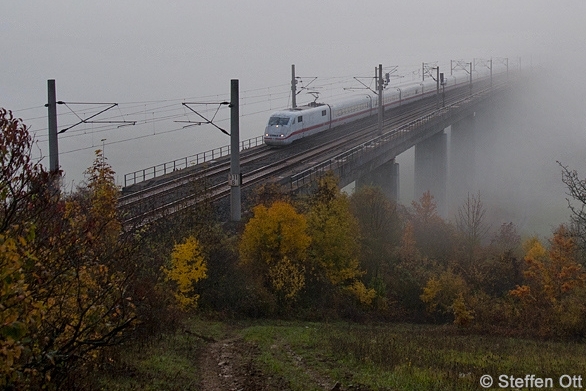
[[282, 135]]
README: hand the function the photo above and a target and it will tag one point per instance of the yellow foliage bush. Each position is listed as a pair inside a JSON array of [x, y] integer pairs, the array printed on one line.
[[463, 315], [446, 295], [274, 233], [335, 234], [361, 292], [19, 313], [273, 248], [287, 277], [187, 267]]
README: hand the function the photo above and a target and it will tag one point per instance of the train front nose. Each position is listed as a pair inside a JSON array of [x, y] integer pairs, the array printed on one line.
[[277, 131], [276, 135]]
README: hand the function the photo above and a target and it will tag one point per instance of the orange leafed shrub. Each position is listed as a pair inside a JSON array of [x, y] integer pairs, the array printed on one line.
[[551, 298]]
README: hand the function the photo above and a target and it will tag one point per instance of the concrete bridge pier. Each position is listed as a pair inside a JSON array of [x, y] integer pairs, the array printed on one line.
[[386, 177], [462, 161], [431, 161]]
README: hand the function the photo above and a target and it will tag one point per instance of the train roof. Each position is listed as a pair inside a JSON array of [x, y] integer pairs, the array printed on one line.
[[290, 111], [310, 105]]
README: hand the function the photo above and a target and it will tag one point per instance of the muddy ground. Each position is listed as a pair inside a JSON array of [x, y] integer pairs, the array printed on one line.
[[229, 365]]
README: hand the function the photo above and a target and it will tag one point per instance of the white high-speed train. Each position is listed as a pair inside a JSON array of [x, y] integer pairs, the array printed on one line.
[[288, 125]]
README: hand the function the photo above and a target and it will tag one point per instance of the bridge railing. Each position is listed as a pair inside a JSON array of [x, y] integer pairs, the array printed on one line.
[[188, 161], [336, 163]]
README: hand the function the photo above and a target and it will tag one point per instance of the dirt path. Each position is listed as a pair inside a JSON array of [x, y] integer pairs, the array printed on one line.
[[228, 366]]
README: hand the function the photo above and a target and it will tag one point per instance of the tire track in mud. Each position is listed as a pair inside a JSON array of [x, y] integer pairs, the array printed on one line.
[[229, 365]]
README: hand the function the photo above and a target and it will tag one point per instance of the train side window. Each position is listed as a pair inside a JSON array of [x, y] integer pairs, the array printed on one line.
[[323, 113], [300, 118]]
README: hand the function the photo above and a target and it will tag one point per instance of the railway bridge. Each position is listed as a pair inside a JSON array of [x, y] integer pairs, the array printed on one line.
[[363, 152]]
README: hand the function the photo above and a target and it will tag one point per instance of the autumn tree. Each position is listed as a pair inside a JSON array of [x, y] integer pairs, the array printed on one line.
[[470, 257], [268, 193], [223, 289], [502, 267], [551, 297], [24, 183], [424, 250], [577, 191], [434, 237], [158, 308], [83, 280], [379, 225], [445, 295], [335, 240], [23, 191], [20, 313], [471, 226], [411, 272], [273, 248], [506, 239], [66, 265], [187, 267]]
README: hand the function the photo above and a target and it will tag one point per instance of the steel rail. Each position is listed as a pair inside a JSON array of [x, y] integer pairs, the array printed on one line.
[[187, 175], [335, 144]]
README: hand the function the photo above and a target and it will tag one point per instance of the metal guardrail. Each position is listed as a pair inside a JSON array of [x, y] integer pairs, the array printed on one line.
[[188, 161], [315, 172]]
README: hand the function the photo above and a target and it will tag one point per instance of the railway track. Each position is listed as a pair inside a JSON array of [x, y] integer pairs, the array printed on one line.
[[186, 176], [261, 163]]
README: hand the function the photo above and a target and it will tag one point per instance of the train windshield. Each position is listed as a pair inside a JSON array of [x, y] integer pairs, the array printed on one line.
[[278, 121]]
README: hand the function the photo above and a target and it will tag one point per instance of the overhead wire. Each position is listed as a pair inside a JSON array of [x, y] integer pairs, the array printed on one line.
[[170, 109], [137, 108]]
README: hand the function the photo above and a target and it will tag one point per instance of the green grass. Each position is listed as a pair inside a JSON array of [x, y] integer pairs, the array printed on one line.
[[166, 363], [406, 357], [314, 356], [290, 351]]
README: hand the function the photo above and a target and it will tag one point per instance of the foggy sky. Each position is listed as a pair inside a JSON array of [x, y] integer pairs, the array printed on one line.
[[143, 51]]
